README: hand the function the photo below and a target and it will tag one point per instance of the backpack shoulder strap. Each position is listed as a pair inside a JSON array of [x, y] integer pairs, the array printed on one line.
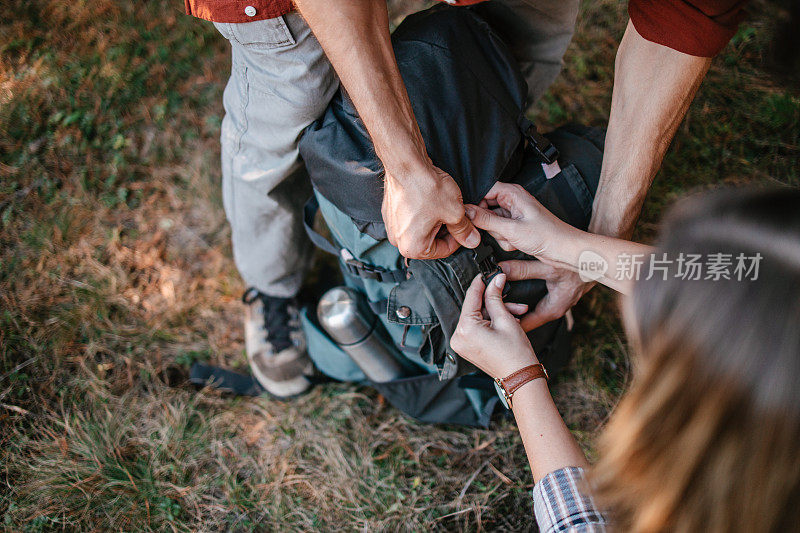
[[350, 263]]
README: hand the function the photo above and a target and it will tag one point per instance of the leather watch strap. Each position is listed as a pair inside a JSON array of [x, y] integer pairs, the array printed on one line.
[[512, 382]]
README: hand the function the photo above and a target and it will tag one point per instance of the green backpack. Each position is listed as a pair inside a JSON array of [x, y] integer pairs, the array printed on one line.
[[417, 303]]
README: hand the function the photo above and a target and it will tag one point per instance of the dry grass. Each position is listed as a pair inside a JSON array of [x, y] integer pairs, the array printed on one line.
[[115, 274]]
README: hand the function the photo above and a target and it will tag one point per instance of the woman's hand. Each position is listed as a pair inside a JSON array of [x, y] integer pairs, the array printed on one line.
[[519, 222], [564, 289], [498, 346]]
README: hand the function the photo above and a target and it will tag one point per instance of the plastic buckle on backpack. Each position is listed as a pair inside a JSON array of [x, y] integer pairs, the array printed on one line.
[[489, 269], [546, 150], [488, 266], [363, 270]]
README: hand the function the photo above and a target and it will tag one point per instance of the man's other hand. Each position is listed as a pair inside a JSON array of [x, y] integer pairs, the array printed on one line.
[[418, 207]]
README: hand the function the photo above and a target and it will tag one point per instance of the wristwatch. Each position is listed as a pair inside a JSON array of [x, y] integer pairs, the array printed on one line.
[[507, 385]]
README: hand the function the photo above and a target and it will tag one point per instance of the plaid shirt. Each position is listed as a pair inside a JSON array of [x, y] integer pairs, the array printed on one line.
[[560, 506]]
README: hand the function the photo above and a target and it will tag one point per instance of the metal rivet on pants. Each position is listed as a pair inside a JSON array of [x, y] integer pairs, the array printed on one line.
[[403, 312], [250, 11]]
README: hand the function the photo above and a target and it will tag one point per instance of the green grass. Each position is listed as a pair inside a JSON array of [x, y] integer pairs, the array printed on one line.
[[115, 275]]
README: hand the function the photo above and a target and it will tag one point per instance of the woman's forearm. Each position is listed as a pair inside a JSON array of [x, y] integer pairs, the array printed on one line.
[[616, 263], [548, 443]]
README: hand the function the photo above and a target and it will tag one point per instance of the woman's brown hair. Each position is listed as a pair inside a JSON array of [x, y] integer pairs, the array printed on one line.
[[708, 438]]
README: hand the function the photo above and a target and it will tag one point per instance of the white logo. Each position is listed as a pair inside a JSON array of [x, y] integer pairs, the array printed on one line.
[[591, 266]]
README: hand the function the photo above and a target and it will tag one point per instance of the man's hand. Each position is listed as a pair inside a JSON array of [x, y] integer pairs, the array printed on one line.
[[415, 208], [419, 198], [564, 289]]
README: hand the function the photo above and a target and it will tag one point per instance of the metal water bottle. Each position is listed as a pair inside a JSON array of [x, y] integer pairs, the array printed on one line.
[[346, 316]]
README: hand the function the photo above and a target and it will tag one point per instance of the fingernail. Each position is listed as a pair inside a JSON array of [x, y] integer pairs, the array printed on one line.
[[499, 280], [474, 239], [470, 211]]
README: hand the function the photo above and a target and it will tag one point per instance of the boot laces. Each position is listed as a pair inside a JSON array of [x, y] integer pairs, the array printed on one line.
[[277, 318]]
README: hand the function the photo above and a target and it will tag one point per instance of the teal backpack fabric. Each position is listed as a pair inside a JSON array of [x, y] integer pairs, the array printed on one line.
[[469, 99]]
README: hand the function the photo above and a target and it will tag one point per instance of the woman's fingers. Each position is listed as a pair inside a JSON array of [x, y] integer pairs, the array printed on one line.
[[502, 242], [499, 211], [516, 309], [541, 315], [507, 195], [463, 339], [505, 245], [518, 269], [493, 299], [486, 219], [473, 299]]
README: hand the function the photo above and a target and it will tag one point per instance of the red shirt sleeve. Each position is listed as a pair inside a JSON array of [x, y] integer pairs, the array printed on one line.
[[237, 10], [695, 27]]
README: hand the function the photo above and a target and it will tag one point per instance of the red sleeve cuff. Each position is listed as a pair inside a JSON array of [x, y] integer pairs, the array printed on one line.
[[697, 27]]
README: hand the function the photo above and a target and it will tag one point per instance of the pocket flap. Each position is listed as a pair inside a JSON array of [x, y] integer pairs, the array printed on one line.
[[409, 305], [262, 34]]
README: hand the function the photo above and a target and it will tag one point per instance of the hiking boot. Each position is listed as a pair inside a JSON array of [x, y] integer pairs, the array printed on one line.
[[275, 345]]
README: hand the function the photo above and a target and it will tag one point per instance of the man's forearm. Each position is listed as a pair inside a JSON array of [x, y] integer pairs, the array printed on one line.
[[653, 87], [355, 37], [418, 198]]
